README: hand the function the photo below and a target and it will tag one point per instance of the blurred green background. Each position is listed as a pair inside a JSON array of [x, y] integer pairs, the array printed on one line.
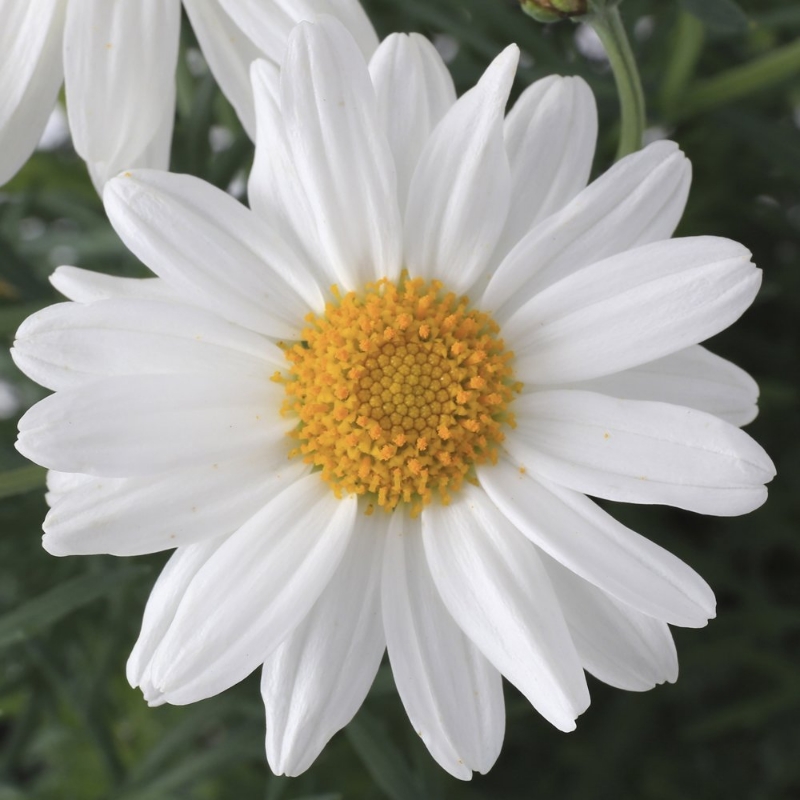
[[70, 727]]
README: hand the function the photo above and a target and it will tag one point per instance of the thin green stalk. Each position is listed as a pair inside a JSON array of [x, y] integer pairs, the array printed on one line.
[[607, 23], [687, 44], [738, 82]]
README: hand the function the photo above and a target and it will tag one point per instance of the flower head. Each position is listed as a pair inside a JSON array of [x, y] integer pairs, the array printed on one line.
[[368, 411]]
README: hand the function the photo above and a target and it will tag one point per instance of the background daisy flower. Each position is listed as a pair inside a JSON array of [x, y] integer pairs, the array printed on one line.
[[117, 60]]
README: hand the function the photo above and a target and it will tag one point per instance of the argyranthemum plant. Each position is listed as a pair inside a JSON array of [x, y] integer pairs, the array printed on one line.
[[368, 411], [117, 59]]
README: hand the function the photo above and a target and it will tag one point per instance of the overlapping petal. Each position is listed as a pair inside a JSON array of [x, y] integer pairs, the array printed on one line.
[[550, 136], [495, 587], [213, 250], [341, 153], [616, 643], [255, 590], [638, 201], [132, 425], [317, 678], [132, 516], [116, 72], [460, 192], [631, 308], [592, 544], [71, 344], [693, 377], [414, 91], [453, 696], [31, 73], [639, 451]]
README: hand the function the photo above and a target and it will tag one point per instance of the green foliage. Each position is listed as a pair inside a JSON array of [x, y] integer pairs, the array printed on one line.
[[70, 727]]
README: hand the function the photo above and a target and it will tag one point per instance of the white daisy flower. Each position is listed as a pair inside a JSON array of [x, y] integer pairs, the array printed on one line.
[[117, 59], [349, 454]]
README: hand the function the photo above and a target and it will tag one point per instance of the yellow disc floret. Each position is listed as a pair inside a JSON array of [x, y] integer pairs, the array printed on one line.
[[400, 390]]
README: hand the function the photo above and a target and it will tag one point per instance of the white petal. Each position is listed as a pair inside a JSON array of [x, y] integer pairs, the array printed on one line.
[[70, 344], [318, 677], [30, 76], [617, 644], [581, 536], [550, 136], [693, 377], [118, 59], [414, 90], [212, 249], [341, 153], [452, 695], [494, 585], [460, 191], [144, 424], [61, 484], [638, 451], [85, 286], [632, 308], [254, 592], [229, 52], [269, 24], [638, 201], [274, 189], [132, 516], [162, 604]]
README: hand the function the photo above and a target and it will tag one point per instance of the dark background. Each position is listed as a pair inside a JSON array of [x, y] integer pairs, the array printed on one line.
[[70, 727]]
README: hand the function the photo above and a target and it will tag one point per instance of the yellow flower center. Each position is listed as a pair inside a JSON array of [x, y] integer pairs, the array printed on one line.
[[400, 390]]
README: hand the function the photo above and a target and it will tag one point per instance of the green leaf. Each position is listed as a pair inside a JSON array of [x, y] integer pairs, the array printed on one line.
[[37, 614], [382, 758], [19, 481], [719, 16]]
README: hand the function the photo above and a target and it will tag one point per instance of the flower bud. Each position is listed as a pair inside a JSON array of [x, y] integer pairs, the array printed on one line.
[[554, 10]]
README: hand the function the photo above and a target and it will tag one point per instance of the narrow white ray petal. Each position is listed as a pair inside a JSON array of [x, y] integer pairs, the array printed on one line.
[[591, 543], [453, 696], [274, 189], [126, 426], [638, 201], [30, 76], [229, 52], [212, 249], [155, 155], [269, 24], [494, 585], [162, 604], [341, 153], [85, 286], [550, 136], [70, 344], [315, 681], [257, 588], [132, 516], [61, 484], [631, 308], [460, 191], [118, 59], [352, 15], [693, 377], [414, 90], [617, 644], [639, 451]]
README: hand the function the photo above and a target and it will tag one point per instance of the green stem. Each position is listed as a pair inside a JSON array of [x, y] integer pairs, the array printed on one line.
[[687, 44], [777, 66], [607, 23]]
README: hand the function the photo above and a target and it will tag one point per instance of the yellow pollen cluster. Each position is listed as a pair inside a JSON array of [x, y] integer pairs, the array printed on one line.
[[399, 390]]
